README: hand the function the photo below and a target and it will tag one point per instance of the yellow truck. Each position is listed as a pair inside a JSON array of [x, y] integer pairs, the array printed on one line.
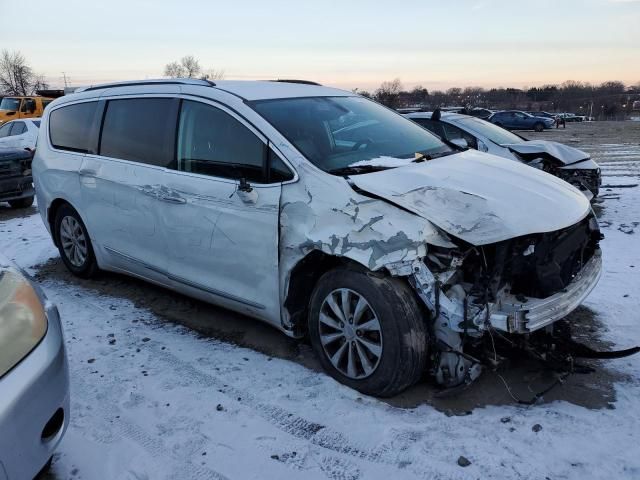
[[15, 107]]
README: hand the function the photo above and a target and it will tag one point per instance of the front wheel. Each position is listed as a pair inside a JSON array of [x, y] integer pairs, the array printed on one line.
[[538, 127], [368, 332], [74, 243], [22, 202]]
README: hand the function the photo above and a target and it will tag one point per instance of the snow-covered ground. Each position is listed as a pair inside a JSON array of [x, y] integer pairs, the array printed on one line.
[[155, 400]]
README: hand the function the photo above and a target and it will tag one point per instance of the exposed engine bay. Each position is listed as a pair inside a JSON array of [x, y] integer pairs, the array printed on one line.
[[503, 291]]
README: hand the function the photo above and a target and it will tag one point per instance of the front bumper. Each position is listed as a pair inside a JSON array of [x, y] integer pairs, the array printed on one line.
[[30, 395], [514, 316], [16, 187]]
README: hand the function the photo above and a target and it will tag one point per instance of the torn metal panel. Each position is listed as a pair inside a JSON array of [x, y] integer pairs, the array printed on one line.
[[478, 198], [323, 213], [563, 154]]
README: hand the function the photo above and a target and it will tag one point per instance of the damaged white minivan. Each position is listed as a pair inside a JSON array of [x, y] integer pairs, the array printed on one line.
[[320, 212]]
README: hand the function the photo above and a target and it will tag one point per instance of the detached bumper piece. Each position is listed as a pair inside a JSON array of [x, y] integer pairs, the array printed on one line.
[[514, 316]]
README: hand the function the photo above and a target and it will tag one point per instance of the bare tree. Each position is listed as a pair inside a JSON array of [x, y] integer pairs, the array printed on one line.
[[213, 74], [388, 92], [191, 66], [16, 76], [174, 70]]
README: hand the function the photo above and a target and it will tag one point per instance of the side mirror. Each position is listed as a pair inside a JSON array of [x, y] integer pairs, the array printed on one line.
[[461, 142]]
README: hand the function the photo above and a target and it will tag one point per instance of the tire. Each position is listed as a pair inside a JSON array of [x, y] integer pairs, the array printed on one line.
[[68, 225], [401, 339], [22, 202], [43, 472], [538, 127]]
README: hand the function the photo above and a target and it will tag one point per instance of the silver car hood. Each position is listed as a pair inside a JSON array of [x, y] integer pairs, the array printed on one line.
[[479, 198], [563, 153]]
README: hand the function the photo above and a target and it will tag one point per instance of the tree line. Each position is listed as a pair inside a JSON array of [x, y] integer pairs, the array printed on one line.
[[608, 100]]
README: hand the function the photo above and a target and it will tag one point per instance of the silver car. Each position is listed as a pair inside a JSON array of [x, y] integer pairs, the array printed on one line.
[[318, 211], [34, 379], [569, 163]]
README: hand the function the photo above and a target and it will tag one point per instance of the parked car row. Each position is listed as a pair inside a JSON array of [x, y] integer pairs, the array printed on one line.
[[395, 250]]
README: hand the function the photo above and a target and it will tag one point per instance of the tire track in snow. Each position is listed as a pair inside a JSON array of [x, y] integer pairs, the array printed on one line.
[[124, 427], [297, 426]]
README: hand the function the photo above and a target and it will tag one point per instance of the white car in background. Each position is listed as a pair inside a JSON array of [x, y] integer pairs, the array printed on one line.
[[21, 133], [568, 163]]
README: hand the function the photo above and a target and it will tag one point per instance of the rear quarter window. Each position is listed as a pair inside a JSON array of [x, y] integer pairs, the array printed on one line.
[[70, 127]]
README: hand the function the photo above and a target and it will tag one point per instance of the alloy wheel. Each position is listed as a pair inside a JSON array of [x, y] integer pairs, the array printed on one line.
[[73, 241], [350, 333]]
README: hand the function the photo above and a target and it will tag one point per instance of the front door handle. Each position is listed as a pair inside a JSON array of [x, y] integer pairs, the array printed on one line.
[[87, 172]]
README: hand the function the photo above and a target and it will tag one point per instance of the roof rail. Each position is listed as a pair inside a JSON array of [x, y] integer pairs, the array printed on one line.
[[136, 83], [303, 82]]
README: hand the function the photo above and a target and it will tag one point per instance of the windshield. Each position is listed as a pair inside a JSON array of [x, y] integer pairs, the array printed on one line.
[[11, 104], [494, 133], [335, 133]]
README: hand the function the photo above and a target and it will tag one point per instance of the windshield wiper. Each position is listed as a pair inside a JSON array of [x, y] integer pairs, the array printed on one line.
[[355, 170], [425, 157]]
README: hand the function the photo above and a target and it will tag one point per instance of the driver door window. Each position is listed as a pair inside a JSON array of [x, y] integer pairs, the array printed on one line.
[[212, 142], [453, 133]]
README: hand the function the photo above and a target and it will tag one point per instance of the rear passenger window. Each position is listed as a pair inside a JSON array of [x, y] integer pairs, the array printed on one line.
[[212, 142], [70, 127], [141, 130], [18, 128]]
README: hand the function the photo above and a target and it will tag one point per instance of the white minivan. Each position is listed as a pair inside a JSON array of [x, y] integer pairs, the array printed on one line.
[[320, 212]]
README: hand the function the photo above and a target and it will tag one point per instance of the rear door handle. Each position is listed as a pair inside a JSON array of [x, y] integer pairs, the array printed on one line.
[[86, 172], [178, 200]]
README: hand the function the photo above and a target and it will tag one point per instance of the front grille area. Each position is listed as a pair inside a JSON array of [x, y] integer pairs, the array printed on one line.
[[535, 266], [10, 169]]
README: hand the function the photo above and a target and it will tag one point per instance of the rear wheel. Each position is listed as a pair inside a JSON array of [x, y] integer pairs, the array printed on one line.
[[22, 202], [74, 243], [368, 332], [538, 127]]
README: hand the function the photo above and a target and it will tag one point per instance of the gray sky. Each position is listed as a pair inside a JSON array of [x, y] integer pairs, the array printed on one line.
[[435, 43]]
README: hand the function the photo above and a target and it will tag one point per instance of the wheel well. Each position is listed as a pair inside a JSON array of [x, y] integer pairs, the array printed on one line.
[[303, 279], [51, 217]]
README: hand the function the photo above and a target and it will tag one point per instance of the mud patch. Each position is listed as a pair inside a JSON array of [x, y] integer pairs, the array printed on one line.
[[524, 377]]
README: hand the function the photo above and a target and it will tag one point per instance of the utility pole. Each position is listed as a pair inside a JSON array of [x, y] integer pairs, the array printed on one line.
[[64, 76]]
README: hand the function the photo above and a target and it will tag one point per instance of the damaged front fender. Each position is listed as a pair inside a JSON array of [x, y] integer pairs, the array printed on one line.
[[320, 214]]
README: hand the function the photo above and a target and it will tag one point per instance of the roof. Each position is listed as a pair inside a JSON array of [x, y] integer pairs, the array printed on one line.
[[245, 89]]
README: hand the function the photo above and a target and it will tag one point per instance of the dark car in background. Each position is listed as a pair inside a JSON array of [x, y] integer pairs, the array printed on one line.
[[543, 114], [517, 120], [16, 182]]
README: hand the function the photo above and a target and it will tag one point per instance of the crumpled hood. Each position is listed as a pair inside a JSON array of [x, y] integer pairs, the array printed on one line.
[[480, 198], [562, 153]]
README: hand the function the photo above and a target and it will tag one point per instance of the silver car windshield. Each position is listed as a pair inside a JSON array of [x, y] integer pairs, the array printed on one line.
[[494, 133], [336, 133]]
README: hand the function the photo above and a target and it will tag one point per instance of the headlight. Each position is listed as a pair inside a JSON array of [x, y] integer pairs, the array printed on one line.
[[23, 322]]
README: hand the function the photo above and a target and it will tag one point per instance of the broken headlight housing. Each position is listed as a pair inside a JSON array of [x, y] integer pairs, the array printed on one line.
[[23, 321]]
